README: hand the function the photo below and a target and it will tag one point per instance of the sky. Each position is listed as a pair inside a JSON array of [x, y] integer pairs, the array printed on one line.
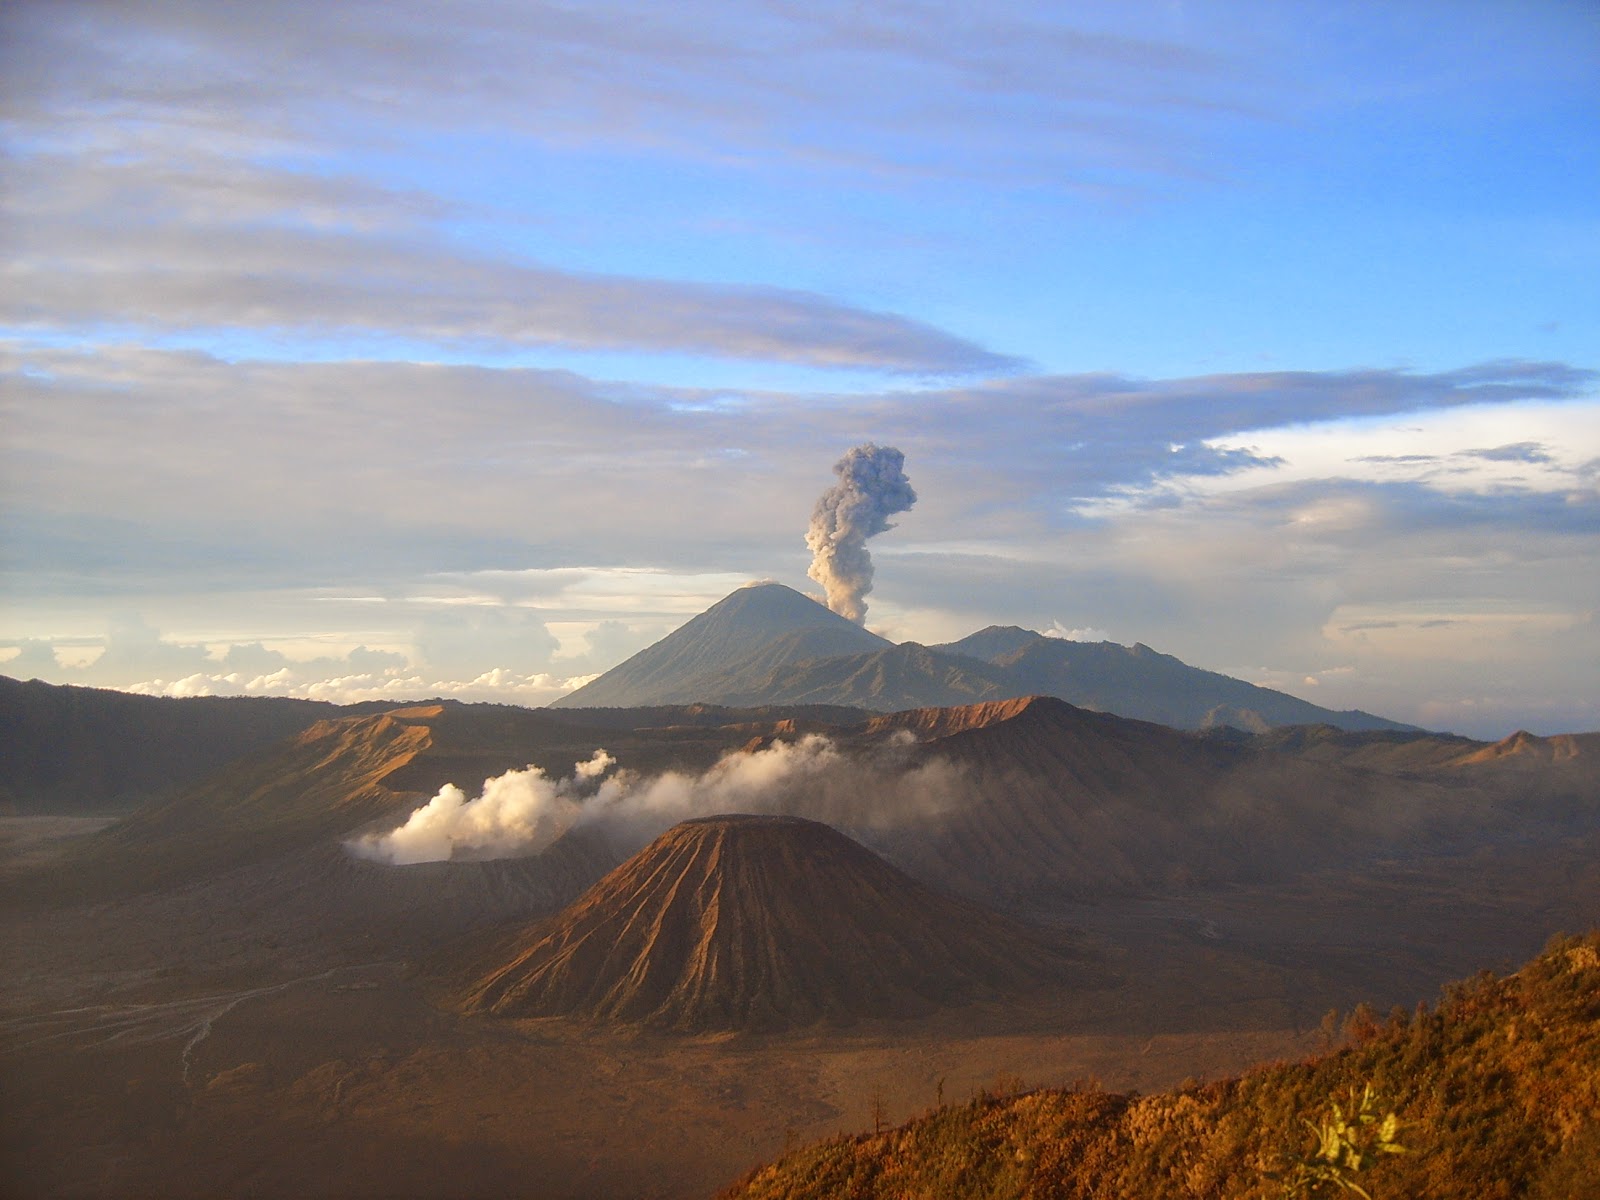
[[368, 350]]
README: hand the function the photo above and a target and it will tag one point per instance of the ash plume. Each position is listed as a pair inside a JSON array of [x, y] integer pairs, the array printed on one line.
[[521, 812], [872, 487]]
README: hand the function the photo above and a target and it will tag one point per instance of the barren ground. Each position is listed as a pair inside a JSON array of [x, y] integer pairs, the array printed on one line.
[[183, 1045]]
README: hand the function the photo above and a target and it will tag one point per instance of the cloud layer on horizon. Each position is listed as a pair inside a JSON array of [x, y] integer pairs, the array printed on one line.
[[368, 350], [455, 505]]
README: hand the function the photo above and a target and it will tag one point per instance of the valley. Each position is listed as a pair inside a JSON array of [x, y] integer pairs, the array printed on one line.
[[196, 1044], [450, 950]]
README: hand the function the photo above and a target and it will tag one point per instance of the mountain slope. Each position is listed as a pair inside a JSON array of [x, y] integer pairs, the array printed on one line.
[[67, 749], [1136, 681], [745, 922], [727, 650], [769, 645], [340, 775], [887, 680], [1497, 1093], [1055, 800]]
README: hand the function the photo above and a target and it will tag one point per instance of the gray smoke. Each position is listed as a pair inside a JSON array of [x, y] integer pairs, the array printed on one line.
[[872, 487]]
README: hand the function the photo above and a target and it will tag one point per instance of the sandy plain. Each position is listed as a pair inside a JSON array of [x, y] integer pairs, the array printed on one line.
[[218, 1041]]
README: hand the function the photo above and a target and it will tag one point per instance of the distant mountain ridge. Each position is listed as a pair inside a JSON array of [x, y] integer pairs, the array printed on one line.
[[767, 644], [731, 648]]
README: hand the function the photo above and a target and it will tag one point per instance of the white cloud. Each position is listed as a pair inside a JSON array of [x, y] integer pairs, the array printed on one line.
[[1086, 634]]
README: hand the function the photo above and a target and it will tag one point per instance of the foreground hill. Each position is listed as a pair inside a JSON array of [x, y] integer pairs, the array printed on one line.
[[761, 923], [769, 645], [1497, 1093]]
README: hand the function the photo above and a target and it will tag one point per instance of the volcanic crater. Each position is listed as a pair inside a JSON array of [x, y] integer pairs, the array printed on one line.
[[762, 923]]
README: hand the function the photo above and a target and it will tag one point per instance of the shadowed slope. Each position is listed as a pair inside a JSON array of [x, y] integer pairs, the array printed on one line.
[[1067, 802], [1138, 682], [747, 922], [727, 650], [67, 749]]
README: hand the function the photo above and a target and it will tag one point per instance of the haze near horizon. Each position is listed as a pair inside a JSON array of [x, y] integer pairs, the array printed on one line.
[[358, 353]]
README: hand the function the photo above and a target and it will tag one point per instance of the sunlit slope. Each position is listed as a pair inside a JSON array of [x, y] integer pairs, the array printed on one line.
[[1497, 1093], [317, 785], [342, 776], [746, 922]]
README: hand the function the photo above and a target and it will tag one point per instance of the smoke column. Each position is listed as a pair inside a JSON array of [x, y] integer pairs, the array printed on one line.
[[872, 487]]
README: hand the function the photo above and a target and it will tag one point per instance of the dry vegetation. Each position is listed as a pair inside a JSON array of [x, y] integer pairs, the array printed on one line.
[[1497, 1091], [213, 998]]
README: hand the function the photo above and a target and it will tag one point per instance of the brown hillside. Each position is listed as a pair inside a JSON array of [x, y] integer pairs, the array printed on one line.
[[931, 723], [71, 750], [1527, 747], [1063, 801], [343, 775], [759, 923], [1496, 1093]]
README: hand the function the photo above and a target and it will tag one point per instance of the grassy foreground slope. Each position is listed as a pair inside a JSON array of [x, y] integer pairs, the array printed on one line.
[[1497, 1091]]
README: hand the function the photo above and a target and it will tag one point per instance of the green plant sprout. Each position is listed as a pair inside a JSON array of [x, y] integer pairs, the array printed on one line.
[[1345, 1144]]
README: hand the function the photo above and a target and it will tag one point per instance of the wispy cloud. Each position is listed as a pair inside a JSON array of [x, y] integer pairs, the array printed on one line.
[[221, 247]]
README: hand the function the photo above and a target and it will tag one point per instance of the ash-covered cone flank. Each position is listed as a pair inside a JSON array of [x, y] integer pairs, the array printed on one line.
[[762, 923], [730, 649]]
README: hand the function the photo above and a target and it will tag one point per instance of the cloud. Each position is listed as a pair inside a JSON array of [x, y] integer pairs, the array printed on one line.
[[577, 501], [1522, 452], [459, 643], [855, 88], [1088, 634], [220, 246]]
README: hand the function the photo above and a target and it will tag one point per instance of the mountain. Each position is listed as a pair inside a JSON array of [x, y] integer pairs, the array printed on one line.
[[887, 680], [1136, 681], [761, 923], [1003, 801], [727, 650], [768, 645], [1043, 799], [67, 749], [341, 775], [1493, 1092]]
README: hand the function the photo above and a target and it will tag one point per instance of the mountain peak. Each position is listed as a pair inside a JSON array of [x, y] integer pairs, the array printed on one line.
[[729, 648], [761, 922]]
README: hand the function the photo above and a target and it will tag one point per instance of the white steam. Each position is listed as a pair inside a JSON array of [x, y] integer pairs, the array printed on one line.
[[521, 812], [872, 487], [523, 809]]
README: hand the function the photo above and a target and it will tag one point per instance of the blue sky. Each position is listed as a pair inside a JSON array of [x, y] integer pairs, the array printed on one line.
[[356, 350]]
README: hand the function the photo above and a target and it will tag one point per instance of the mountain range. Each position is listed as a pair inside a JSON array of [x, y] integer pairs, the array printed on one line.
[[766, 644]]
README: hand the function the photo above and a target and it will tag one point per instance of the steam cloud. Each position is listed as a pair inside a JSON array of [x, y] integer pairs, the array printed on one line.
[[521, 812], [520, 808], [872, 487]]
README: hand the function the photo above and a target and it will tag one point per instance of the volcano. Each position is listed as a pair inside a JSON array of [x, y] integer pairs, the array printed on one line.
[[768, 645], [729, 649], [763, 923]]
